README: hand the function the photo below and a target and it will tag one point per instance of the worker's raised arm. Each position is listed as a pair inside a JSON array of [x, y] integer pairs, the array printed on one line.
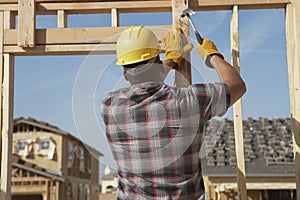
[[230, 77], [226, 72]]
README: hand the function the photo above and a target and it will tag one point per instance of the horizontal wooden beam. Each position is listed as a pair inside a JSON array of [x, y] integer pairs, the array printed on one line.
[[262, 178], [261, 186], [105, 7], [97, 7], [29, 189], [58, 50], [82, 7], [77, 35], [243, 4]]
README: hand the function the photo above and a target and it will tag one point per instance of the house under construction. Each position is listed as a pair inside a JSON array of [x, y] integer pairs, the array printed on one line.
[[49, 163], [26, 40]]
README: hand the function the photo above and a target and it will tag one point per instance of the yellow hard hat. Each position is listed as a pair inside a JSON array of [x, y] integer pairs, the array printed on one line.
[[136, 44]]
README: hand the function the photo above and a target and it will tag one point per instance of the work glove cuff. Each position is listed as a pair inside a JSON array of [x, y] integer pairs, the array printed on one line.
[[208, 57], [207, 49]]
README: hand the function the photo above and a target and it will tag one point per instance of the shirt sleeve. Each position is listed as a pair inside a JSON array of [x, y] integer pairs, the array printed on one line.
[[213, 99]]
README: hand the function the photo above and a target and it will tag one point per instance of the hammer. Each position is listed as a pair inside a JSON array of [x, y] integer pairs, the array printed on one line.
[[187, 13]]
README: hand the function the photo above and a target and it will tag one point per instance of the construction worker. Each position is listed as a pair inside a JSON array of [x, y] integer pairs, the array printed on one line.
[[155, 131]]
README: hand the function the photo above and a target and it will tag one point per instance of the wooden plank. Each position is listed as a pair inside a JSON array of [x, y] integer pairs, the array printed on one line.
[[206, 186], [28, 189], [1, 33], [161, 6], [194, 4], [243, 4], [237, 109], [62, 19], [9, 7], [261, 178], [78, 35], [50, 7], [1, 77], [293, 53], [57, 190], [114, 17], [183, 76], [63, 1], [29, 179], [10, 19], [6, 106], [7, 125], [104, 7], [261, 186], [26, 22], [82, 49]]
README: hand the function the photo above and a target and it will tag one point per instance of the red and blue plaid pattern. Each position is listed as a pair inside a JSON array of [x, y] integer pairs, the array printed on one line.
[[155, 132]]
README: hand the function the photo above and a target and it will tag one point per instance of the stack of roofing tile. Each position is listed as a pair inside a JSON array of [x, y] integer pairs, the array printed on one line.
[[270, 140]]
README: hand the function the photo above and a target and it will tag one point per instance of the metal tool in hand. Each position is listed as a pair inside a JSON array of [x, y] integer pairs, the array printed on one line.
[[187, 13]]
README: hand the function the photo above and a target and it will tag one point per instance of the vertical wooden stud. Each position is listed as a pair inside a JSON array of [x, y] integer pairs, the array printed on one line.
[[62, 19], [206, 186], [7, 125], [184, 77], [237, 109], [7, 21], [1, 68], [293, 54], [114, 17], [26, 22]]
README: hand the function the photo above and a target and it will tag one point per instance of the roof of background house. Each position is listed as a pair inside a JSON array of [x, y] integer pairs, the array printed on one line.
[[267, 143], [50, 128]]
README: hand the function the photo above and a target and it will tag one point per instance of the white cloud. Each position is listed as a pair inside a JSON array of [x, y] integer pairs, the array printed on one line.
[[214, 21], [259, 28]]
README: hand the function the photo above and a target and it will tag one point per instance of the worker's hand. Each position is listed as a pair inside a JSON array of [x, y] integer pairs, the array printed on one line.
[[207, 49], [174, 49]]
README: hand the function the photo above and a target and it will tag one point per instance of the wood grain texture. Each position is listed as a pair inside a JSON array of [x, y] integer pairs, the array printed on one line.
[[26, 23], [62, 19], [77, 35], [114, 17], [237, 109], [293, 53], [183, 77], [6, 105], [65, 49], [1, 80], [83, 7], [7, 125]]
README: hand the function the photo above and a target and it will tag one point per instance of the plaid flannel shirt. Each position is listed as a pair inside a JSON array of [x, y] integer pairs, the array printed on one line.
[[155, 133]]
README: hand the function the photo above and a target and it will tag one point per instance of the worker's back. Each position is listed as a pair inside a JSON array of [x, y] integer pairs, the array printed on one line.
[[155, 133]]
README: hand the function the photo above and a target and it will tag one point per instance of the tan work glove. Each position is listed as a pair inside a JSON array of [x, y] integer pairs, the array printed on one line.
[[174, 49], [207, 49]]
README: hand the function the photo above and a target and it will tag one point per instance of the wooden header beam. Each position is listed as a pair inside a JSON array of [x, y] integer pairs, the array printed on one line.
[[71, 41], [242, 4], [50, 7], [77, 35]]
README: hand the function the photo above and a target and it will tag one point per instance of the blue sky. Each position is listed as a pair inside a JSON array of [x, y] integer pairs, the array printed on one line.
[[45, 86]]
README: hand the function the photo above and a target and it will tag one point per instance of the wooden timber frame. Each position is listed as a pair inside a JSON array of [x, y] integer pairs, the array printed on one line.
[[26, 40]]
